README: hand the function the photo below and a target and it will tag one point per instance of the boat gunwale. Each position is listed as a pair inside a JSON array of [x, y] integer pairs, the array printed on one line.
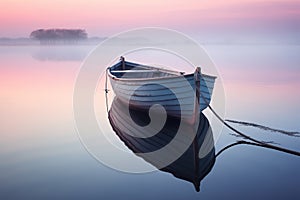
[[175, 76], [156, 78]]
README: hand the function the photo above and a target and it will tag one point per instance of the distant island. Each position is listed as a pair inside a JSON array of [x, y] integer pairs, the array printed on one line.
[[54, 36], [64, 36]]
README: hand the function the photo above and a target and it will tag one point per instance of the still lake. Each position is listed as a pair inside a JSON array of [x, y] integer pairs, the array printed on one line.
[[42, 157]]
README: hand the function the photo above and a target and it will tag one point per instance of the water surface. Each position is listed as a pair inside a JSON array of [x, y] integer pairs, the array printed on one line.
[[41, 155]]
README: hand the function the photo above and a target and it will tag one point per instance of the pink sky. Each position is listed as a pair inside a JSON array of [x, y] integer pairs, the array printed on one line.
[[104, 17]]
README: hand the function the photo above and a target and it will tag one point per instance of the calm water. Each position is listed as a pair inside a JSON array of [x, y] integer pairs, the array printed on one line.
[[41, 155]]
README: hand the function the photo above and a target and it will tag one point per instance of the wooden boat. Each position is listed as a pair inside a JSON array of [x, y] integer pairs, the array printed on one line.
[[192, 165], [142, 86]]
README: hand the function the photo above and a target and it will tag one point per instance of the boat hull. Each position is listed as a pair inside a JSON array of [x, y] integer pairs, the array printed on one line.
[[142, 86], [177, 94]]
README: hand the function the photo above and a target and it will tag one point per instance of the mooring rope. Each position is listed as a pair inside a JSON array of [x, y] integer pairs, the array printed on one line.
[[229, 146], [265, 128], [256, 142], [106, 90], [244, 142]]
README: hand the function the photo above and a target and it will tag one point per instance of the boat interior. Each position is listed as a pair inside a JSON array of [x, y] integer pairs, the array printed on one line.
[[124, 69]]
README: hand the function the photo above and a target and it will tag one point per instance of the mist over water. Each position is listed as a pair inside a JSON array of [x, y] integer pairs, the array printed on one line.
[[41, 155]]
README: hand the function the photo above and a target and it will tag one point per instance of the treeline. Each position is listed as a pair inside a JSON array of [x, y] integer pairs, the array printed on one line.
[[52, 36]]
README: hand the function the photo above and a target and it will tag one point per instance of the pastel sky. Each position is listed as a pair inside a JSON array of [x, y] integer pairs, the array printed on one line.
[[104, 17]]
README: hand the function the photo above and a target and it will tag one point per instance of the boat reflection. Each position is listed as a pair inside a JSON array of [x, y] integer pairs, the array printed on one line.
[[193, 165]]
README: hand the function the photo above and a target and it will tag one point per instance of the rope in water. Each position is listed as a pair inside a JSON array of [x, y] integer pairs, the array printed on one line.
[[244, 142], [106, 90], [256, 142], [232, 145]]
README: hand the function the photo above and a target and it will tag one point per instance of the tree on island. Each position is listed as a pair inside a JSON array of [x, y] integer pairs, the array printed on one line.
[[52, 36]]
